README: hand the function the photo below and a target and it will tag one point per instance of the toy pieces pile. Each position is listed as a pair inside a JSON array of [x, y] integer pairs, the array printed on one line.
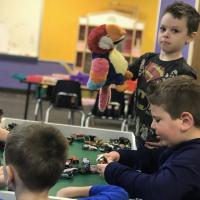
[[92, 143], [107, 146], [72, 167], [11, 126]]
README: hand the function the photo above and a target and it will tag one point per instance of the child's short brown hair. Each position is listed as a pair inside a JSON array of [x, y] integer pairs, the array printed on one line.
[[38, 153], [180, 9], [177, 95]]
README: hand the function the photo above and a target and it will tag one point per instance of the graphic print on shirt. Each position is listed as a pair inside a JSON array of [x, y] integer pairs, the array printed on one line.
[[152, 72]]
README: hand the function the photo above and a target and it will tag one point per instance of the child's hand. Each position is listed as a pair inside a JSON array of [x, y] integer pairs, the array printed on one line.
[[112, 156], [2, 181], [128, 75], [3, 134], [101, 169]]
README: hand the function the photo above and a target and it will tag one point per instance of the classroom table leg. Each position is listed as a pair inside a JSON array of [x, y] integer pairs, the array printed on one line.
[[27, 100]]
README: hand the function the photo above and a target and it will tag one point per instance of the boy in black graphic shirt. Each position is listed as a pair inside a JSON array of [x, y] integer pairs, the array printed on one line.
[[179, 25]]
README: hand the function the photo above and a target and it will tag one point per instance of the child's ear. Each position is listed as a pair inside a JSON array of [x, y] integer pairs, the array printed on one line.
[[187, 121], [8, 174], [191, 37]]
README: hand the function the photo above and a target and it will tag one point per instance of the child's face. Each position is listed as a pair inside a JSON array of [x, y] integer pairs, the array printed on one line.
[[173, 34], [166, 128]]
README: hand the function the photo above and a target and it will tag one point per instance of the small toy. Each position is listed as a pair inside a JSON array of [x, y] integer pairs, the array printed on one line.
[[91, 138], [101, 159], [70, 139], [89, 147], [74, 160], [106, 147], [108, 65], [11, 126], [85, 168], [78, 137], [69, 172], [68, 163]]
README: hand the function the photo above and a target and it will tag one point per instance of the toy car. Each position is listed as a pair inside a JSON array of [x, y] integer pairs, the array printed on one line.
[[89, 147], [85, 166], [106, 147], [91, 138], [79, 137], [70, 139], [11, 126], [69, 172], [101, 159], [68, 163], [74, 160], [125, 141]]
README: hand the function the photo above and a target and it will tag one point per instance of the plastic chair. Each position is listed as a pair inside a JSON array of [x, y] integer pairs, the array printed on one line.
[[66, 95], [114, 111], [130, 113]]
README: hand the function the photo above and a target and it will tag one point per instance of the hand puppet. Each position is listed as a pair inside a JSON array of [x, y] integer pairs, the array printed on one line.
[[108, 65]]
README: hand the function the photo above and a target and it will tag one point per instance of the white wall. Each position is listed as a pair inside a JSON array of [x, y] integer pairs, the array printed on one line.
[[20, 23]]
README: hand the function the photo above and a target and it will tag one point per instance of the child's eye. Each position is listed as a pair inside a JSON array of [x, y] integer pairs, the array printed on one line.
[[157, 120], [175, 31], [162, 29]]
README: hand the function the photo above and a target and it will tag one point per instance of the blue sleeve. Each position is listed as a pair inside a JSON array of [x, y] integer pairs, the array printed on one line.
[[106, 192]]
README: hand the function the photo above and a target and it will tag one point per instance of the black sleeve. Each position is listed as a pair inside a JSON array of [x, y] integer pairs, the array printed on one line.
[[134, 68], [188, 70]]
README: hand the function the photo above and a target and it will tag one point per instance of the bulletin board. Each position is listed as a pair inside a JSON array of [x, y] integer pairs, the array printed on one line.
[[20, 25]]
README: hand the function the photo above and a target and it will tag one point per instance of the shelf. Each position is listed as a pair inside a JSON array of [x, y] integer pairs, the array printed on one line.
[[130, 47]]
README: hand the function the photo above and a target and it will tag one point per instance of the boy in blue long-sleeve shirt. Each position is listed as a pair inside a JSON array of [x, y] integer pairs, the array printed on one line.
[[164, 173]]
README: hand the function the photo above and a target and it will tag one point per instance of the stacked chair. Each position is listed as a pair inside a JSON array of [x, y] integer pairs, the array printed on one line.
[[66, 95]]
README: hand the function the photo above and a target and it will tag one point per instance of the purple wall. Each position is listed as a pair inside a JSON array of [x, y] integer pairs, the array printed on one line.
[[8, 68], [163, 5]]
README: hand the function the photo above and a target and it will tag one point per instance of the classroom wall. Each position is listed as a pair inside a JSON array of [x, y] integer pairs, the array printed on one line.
[[61, 18]]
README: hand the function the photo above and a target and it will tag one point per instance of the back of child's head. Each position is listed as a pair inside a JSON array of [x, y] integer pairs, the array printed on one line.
[[180, 9], [177, 95], [38, 153]]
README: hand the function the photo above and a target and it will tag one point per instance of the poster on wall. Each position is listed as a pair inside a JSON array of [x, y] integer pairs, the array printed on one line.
[[163, 5], [20, 25]]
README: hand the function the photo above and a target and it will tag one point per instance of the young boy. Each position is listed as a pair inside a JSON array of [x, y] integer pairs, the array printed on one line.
[[178, 27], [164, 173], [34, 159]]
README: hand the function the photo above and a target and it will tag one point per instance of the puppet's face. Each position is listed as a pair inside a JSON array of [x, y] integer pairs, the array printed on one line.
[[103, 38]]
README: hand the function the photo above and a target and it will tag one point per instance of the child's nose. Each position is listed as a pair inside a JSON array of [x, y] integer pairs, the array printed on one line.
[[166, 33], [153, 125]]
